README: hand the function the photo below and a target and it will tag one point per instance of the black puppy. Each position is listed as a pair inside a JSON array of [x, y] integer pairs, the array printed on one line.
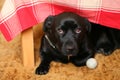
[[71, 38]]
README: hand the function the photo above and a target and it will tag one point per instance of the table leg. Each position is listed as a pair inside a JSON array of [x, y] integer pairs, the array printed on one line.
[[28, 48]]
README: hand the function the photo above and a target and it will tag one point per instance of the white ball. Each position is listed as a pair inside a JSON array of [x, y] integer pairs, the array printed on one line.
[[91, 63]]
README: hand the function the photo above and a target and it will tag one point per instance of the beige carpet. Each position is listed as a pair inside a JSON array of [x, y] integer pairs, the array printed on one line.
[[11, 67]]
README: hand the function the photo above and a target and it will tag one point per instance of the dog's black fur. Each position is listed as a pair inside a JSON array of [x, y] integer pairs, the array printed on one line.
[[75, 40]]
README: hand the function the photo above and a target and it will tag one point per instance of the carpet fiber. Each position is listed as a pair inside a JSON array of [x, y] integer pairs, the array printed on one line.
[[11, 66]]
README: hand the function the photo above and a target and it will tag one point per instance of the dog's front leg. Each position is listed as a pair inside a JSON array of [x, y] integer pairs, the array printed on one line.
[[44, 66]]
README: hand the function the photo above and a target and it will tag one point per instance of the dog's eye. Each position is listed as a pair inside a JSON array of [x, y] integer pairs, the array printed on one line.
[[60, 31], [77, 30]]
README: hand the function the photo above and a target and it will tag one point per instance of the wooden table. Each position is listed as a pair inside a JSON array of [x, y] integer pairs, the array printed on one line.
[[28, 48]]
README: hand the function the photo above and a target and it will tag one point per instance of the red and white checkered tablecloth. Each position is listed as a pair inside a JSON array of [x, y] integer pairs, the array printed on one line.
[[18, 15]]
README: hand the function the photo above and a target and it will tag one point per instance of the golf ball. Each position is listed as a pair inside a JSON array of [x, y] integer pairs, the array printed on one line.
[[91, 63]]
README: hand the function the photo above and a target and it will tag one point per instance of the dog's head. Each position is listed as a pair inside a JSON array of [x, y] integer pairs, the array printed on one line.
[[67, 32]]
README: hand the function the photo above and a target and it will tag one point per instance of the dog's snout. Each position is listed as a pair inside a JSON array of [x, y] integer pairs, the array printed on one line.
[[69, 46]]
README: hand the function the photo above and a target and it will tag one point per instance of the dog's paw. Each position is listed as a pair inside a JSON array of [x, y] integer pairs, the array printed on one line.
[[105, 51], [41, 70]]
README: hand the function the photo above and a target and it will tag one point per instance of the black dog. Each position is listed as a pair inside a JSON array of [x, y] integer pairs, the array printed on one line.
[[72, 38]]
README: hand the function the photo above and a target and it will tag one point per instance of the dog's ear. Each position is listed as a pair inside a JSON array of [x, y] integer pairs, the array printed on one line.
[[49, 21], [88, 25]]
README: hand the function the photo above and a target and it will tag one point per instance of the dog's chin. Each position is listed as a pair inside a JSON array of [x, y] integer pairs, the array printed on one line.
[[69, 54]]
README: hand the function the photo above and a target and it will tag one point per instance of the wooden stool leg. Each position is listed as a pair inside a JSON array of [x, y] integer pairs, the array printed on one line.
[[28, 48]]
